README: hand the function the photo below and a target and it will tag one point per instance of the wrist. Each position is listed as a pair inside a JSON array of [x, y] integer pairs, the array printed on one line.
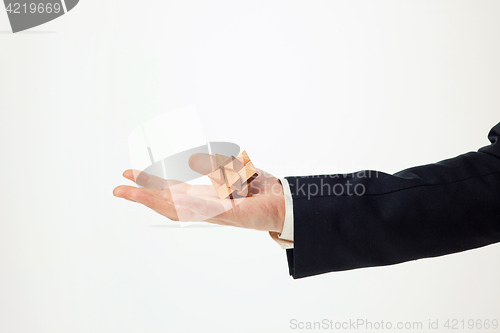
[[281, 212]]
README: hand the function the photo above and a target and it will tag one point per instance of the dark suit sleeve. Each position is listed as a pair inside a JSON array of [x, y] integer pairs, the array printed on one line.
[[370, 218]]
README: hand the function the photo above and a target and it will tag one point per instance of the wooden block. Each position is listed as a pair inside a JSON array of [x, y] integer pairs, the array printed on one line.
[[236, 186], [223, 191], [221, 160], [235, 165], [244, 157], [217, 177], [247, 172], [239, 194], [233, 175], [244, 187], [249, 180]]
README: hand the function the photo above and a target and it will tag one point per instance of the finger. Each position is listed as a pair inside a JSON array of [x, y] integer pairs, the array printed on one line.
[[149, 181], [156, 200], [202, 163], [144, 179], [125, 192]]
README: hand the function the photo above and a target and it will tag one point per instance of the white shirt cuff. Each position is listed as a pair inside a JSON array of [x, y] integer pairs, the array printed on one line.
[[285, 239]]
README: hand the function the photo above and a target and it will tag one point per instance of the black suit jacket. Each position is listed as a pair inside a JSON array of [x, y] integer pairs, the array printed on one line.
[[371, 218]]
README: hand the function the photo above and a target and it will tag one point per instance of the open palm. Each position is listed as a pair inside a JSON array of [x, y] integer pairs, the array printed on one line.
[[264, 209]]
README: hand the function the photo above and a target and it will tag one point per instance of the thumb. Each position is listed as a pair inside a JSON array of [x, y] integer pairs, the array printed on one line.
[[202, 163]]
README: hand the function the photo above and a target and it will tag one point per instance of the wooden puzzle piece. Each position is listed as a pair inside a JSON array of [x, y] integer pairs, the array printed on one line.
[[232, 175]]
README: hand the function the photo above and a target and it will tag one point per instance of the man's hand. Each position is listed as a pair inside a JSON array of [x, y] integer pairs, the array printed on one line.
[[264, 209]]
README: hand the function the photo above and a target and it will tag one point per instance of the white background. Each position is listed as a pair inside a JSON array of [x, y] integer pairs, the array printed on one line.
[[303, 86]]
